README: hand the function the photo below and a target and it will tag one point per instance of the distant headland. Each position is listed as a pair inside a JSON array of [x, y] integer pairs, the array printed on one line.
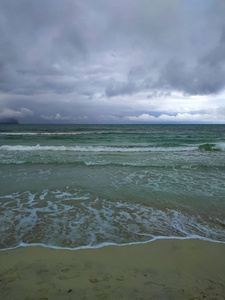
[[9, 121]]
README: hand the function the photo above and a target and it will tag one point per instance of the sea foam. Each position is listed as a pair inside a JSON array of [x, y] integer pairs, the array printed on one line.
[[96, 148]]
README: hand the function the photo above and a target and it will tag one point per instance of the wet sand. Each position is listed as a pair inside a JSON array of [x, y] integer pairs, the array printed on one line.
[[163, 269]]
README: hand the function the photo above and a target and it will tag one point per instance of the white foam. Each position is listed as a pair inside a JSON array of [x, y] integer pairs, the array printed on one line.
[[71, 132], [57, 133], [18, 133], [101, 245], [43, 133], [47, 219], [43, 195], [96, 148], [31, 198], [219, 146]]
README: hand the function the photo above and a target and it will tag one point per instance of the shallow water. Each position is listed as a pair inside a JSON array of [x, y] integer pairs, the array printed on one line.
[[73, 186]]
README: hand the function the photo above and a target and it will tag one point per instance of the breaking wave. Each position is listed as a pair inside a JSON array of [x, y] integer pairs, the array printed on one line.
[[212, 147], [96, 148]]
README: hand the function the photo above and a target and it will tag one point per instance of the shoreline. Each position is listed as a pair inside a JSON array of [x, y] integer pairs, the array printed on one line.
[[160, 269], [105, 244]]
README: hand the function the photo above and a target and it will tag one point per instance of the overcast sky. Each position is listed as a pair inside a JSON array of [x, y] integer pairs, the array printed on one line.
[[118, 61]]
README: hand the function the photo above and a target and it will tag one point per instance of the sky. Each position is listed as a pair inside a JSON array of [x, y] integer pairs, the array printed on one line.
[[118, 61]]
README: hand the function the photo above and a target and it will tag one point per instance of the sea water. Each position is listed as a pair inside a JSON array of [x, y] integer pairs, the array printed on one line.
[[75, 186]]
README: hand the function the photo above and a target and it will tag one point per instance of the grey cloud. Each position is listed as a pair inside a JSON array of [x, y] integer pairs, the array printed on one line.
[[56, 117], [11, 113], [221, 110], [138, 79], [136, 73], [129, 87], [71, 57], [158, 94], [37, 34], [200, 79], [216, 56], [116, 88], [205, 76]]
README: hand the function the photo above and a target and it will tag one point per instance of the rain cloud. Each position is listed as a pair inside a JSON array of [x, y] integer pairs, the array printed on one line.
[[116, 61]]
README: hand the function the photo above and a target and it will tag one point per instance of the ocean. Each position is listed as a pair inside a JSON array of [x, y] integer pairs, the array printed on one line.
[[84, 186]]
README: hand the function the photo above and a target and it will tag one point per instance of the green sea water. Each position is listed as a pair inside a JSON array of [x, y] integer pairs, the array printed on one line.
[[73, 186]]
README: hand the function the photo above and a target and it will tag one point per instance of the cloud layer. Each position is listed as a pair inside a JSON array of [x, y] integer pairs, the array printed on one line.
[[112, 61]]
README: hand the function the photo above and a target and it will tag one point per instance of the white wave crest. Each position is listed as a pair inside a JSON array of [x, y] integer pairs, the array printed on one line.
[[95, 148], [219, 146]]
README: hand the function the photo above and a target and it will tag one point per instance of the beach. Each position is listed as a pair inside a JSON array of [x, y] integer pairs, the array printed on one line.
[[162, 269], [112, 212], [112, 150]]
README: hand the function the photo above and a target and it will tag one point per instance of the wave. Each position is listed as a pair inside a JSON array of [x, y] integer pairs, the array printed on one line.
[[212, 147], [101, 245], [71, 133], [98, 164], [137, 164], [47, 133], [75, 219], [96, 148]]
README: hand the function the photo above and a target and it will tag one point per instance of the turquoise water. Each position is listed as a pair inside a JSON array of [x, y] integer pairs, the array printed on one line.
[[72, 186]]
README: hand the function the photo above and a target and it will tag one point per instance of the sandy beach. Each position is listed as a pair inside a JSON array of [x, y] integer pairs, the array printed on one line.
[[163, 269]]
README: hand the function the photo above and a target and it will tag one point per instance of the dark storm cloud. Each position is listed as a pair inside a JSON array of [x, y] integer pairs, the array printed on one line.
[[137, 80], [216, 56], [206, 76], [120, 88], [75, 60]]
